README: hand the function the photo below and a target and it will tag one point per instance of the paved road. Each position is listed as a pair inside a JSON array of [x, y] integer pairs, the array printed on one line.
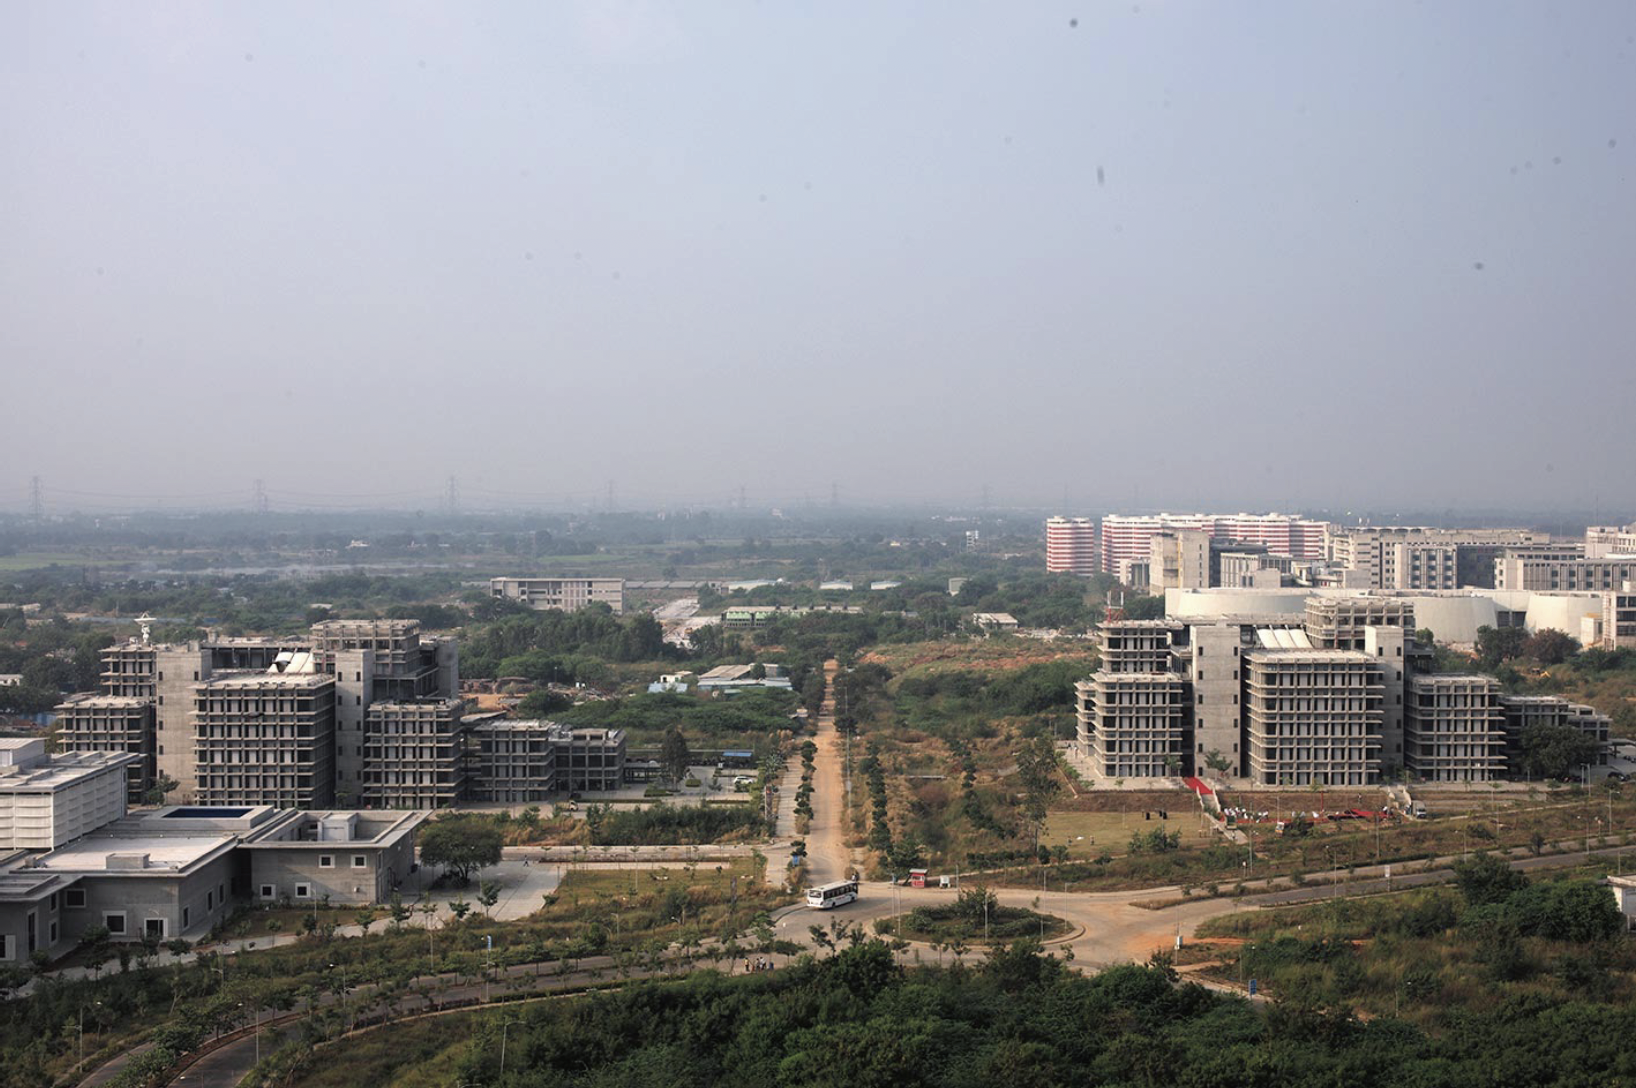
[[1107, 928]]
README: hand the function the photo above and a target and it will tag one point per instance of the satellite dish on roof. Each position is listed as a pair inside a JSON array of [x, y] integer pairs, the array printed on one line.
[[146, 621]]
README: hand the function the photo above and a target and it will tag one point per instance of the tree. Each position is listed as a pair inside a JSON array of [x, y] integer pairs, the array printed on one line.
[[1549, 646], [1037, 767], [162, 785], [674, 758], [543, 703], [1556, 751], [1497, 645], [460, 845], [1145, 608], [1485, 879], [488, 895]]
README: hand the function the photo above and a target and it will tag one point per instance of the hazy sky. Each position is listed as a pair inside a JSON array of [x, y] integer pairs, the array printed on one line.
[[1184, 254]]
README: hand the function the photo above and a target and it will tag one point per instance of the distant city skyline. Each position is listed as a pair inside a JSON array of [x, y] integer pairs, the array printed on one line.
[[1174, 256]]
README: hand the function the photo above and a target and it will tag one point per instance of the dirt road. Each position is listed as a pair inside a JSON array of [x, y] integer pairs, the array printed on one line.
[[828, 856]]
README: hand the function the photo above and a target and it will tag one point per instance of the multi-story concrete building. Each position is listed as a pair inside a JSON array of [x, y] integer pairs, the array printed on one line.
[[566, 594], [1594, 575], [1602, 541], [265, 739], [1618, 623], [515, 762], [414, 754], [593, 759], [1342, 623], [1314, 717], [1523, 712], [376, 661], [1070, 545], [91, 722], [1418, 557], [1455, 728], [1179, 559], [46, 801], [1126, 537], [1239, 569], [1141, 723], [1209, 659]]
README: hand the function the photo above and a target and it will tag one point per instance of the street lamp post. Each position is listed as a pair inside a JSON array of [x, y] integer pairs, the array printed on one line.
[[503, 1029], [81, 1060]]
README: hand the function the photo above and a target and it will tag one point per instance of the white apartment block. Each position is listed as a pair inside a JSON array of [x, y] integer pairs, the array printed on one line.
[[564, 594], [1070, 546]]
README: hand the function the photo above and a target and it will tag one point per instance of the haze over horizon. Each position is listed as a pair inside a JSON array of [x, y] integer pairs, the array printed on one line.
[[1269, 256]]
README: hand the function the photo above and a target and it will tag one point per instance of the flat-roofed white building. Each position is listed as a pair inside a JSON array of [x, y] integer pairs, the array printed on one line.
[[46, 801], [564, 594]]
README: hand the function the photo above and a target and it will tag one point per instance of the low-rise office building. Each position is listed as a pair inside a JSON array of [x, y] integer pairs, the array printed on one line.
[[180, 871], [563, 594]]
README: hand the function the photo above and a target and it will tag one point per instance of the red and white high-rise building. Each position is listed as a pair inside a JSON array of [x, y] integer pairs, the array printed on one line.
[[1070, 545], [1126, 537]]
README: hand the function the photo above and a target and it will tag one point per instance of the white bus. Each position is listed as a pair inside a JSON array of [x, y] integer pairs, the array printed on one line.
[[832, 895]]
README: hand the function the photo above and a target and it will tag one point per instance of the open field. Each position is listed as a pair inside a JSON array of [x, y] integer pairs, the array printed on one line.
[[982, 655], [35, 560], [1087, 834], [610, 883]]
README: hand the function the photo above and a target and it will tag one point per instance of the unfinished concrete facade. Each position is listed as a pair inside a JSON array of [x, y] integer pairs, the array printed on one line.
[[1523, 712], [265, 739], [1455, 728], [89, 722], [1140, 723], [414, 754], [515, 762], [1313, 717], [1341, 623]]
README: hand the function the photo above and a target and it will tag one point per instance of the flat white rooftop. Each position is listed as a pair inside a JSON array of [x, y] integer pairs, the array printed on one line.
[[61, 771], [171, 853]]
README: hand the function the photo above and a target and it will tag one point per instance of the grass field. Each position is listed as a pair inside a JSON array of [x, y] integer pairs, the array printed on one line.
[[36, 560], [610, 883], [1087, 834]]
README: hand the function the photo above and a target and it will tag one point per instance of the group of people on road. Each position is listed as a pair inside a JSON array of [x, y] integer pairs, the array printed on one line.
[[751, 966]]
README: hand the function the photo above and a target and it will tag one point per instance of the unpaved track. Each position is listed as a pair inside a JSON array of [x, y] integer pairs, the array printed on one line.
[[828, 856]]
